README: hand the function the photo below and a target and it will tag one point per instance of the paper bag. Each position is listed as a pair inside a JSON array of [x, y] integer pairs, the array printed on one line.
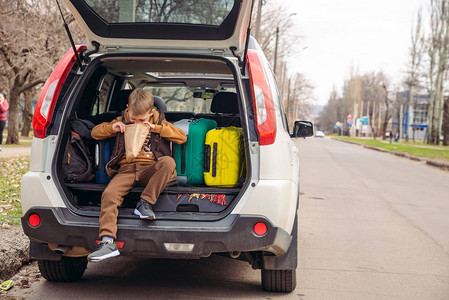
[[135, 135]]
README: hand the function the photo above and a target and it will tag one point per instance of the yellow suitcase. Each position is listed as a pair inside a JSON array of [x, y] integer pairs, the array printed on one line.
[[224, 155]]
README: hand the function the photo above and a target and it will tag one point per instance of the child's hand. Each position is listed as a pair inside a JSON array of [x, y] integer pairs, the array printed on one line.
[[118, 127], [150, 125]]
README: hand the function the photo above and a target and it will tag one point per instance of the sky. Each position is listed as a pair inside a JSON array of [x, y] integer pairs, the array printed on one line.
[[366, 35]]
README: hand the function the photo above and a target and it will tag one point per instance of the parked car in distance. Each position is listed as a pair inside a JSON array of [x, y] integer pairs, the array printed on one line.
[[319, 134]]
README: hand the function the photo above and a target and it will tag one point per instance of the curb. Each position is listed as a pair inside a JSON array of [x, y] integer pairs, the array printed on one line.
[[436, 163], [431, 162]]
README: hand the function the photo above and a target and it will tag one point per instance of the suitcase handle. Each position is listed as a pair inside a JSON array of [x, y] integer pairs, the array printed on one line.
[[183, 158], [214, 161], [207, 154], [97, 156], [206, 158]]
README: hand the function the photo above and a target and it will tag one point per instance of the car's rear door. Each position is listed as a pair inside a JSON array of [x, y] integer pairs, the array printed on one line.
[[187, 26]]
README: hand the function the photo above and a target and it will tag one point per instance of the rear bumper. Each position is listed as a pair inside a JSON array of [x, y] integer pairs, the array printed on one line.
[[147, 238]]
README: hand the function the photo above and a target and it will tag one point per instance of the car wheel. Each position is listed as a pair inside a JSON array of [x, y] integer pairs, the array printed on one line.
[[279, 280], [283, 280], [64, 270]]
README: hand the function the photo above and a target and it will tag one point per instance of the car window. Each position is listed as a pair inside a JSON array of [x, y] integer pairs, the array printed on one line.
[[277, 98], [100, 103], [163, 11], [182, 98]]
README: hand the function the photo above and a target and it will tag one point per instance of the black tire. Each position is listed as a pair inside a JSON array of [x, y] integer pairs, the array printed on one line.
[[65, 270], [279, 280]]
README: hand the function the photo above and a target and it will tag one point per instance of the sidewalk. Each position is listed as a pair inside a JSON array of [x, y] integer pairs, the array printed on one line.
[[444, 165], [15, 151]]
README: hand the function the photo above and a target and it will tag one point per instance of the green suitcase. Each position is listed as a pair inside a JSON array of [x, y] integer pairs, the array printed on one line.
[[189, 157]]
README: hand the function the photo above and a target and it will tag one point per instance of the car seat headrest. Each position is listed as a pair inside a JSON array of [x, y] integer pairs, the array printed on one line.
[[225, 102], [160, 103], [121, 101]]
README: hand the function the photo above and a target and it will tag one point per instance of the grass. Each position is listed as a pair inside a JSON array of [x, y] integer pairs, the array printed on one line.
[[421, 150], [24, 141], [11, 172]]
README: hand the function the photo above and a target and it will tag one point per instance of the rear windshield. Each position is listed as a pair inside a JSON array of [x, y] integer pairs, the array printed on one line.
[[204, 12], [183, 98]]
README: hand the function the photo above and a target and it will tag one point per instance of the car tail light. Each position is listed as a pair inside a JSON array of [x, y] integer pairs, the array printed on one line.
[[34, 220], [50, 93], [263, 100], [260, 229]]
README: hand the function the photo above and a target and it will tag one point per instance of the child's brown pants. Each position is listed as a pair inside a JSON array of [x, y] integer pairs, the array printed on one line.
[[154, 175]]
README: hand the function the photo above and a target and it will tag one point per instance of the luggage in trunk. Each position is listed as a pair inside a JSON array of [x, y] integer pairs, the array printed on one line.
[[224, 157], [189, 157], [103, 150]]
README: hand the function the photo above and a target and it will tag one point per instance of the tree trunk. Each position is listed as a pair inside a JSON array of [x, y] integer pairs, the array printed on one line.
[[441, 120], [372, 121], [13, 117], [446, 123], [430, 118], [387, 117], [27, 114], [409, 107], [385, 124], [432, 63]]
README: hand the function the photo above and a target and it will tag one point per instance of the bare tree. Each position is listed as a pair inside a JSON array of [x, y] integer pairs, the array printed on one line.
[[412, 80], [300, 95], [352, 93], [373, 94], [32, 41], [442, 71], [437, 46], [27, 112], [388, 113], [288, 38], [337, 109], [331, 112], [278, 42], [446, 122]]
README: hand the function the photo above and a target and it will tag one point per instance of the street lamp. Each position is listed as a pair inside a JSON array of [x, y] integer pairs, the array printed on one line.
[[291, 111], [277, 42]]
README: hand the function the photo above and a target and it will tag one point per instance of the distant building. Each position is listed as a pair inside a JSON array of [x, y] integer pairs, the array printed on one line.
[[417, 113]]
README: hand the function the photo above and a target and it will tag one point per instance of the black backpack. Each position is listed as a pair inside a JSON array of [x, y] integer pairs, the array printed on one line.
[[77, 162]]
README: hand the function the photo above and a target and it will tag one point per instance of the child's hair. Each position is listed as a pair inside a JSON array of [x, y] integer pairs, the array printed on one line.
[[140, 101]]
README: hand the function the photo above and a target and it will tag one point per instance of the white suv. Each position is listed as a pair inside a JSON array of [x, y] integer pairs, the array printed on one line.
[[186, 57]]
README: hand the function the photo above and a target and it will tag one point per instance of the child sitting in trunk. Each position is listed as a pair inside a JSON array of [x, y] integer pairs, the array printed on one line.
[[152, 168]]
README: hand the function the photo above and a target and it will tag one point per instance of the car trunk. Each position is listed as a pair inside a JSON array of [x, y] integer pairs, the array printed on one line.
[[188, 85]]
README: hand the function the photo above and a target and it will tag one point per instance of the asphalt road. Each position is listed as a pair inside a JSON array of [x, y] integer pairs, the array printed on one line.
[[372, 226]]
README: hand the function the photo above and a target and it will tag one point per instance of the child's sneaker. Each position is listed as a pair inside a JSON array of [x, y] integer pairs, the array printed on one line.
[[106, 249], [144, 210]]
